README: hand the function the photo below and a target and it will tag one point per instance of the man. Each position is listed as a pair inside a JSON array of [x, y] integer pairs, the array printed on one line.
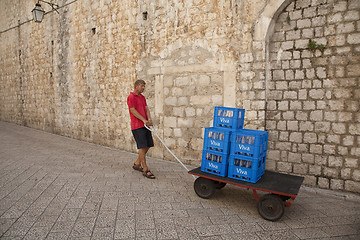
[[140, 116]]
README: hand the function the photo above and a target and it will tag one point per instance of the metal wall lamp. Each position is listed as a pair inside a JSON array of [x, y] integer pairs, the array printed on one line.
[[38, 12]]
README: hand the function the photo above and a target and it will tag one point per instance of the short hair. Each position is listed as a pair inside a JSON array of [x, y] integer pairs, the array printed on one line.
[[138, 82]]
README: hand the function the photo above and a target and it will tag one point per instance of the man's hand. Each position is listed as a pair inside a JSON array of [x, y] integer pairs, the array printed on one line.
[[148, 122]]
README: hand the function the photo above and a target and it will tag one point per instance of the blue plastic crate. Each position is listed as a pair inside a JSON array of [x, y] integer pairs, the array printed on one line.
[[248, 142], [215, 163], [217, 139], [232, 118], [246, 168]]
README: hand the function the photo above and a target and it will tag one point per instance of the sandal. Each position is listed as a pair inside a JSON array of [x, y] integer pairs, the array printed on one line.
[[148, 174], [138, 167]]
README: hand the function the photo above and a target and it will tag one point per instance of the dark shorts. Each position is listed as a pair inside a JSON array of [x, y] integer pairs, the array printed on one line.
[[143, 138]]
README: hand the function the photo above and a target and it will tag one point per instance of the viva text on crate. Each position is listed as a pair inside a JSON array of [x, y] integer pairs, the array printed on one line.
[[215, 143], [243, 147], [212, 165], [240, 171]]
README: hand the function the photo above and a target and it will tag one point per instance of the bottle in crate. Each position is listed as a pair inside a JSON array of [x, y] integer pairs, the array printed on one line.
[[249, 143], [230, 118], [215, 162], [217, 139], [246, 168]]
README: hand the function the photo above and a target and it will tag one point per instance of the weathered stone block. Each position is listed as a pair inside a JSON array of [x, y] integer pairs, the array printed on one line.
[[284, 167], [294, 15], [290, 95], [294, 157], [178, 132], [273, 154], [352, 186], [336, 184], [303, 94], [284, 136], [303, 23], [183, 101], [318, 21], [283, 105], [336, 105], [309, 105], [335, 18], [315, 170], [296, 137], [282, 146], [171, 101], [307, 158], [351, 162], [301, 169], [185, 122], [338, 128], [299, 74], [310, 137], [352, 16], [196, 144], [182, 81], [200, 100], [353, 70], [289, 75], [322, 127], [190, 112], [178, 111], [170, 122], [354, 4], [293, 125], [342, 151], [354, 129], [293, 35], [316, 149], [329, 149], [343, 50], [340, 6], [278, 75], [333, 139], [356, 175], [345, 27], [301, 43], [345, 173], [323, 183], [316, 115], [270, 165], [309, 180], [307, 33], [303, 4], [321, 160]]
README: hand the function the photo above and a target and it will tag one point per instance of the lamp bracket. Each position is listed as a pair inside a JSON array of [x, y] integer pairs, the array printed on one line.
[[51, 4]]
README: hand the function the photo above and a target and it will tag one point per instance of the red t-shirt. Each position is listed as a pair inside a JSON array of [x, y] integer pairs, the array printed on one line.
[[139, 103]]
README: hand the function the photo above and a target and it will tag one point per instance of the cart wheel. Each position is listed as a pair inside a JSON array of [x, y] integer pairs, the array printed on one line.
[[284, 198], [219, 185], [204, 187], [271, 207]]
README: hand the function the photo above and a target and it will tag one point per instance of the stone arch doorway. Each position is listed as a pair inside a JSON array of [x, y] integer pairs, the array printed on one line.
[[312, 90]]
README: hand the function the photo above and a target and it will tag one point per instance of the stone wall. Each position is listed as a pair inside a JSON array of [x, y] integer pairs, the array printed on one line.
[[313, 93], [71, 74]]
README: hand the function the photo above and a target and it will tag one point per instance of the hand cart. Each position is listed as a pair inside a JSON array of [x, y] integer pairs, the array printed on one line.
[[283, 189]]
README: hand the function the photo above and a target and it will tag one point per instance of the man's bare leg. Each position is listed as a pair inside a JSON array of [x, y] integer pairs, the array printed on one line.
[[142, 158]]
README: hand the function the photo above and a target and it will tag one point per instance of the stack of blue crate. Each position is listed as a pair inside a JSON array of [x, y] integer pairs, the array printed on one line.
[[229, 150], [248, 155], [216, 150]]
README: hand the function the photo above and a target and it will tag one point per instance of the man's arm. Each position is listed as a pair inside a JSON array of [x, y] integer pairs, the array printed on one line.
[[138, 115]]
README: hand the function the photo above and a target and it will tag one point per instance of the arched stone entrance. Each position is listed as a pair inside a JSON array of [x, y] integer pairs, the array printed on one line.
[[312, 90]]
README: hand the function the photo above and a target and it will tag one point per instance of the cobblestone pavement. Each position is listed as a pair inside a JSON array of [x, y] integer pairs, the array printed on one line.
[[53, 187]]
